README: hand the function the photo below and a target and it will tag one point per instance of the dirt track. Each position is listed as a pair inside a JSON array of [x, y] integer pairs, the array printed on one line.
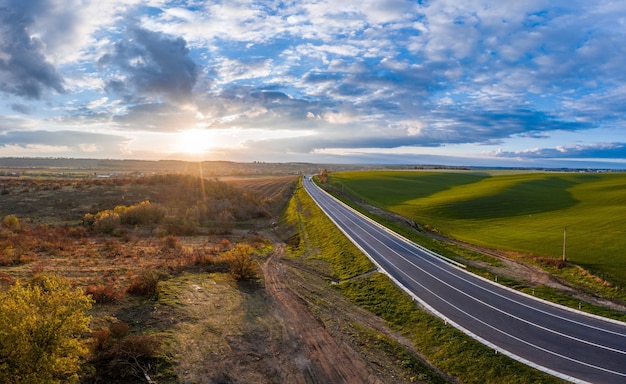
[[310, 354]]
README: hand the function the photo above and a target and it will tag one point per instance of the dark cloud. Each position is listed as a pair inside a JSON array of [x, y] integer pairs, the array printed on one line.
[[587, 151], [24, 70], [479, 126], [21, 108], [154, 64]]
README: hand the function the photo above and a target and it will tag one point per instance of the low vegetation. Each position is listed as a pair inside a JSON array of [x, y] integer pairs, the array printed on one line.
[[116, 257]]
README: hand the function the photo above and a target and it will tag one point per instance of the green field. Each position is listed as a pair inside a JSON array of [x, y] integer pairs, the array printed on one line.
[[514, 211]]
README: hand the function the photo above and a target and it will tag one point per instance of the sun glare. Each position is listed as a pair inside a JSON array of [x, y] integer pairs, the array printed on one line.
[[195, 141]]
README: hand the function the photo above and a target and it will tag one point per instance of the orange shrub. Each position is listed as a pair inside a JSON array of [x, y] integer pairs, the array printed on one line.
[[103, 294], [146, 284]]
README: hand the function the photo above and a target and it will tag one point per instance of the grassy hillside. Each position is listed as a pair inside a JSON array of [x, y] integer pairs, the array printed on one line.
[[515, 211]]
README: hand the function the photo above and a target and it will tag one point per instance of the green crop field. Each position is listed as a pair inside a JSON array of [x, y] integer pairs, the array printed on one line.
[[513, 211]]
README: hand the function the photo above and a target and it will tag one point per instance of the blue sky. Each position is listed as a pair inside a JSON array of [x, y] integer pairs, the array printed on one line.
[[490, 83]]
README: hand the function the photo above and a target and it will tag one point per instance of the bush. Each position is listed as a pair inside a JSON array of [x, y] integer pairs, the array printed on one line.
[[122, 357], [106, 222], [143, 213], [180, 227], [40, 331], [106, 338], [146, 284], [242, 267], [11, 222], [103, 294], [171, 243], [225, 222]]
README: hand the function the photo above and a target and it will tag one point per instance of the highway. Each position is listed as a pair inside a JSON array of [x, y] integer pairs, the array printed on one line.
[[566, 343]]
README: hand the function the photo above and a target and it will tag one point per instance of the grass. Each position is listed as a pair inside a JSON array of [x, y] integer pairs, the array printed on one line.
[[345, 259], [519, 212], [213, 322], [446, 348]]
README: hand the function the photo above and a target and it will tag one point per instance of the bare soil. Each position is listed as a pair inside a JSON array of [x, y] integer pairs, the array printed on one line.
[[309, 353], [320, 339]]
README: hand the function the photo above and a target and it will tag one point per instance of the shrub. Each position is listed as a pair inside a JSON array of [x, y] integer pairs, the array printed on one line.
[[77, 232], [106, 338], [202, 257], [89, 220], [41, 324], [224, 244], [6, 280], [225, 222], [242, 267], [143, 213], [129, 358], [180, 226], [103, 294], [123, 357], [146, 284], [101, 339], [107, 222], [171, 243], [11, 222]]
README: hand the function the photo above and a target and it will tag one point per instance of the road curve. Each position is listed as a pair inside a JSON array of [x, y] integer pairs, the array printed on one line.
[[566, 343]]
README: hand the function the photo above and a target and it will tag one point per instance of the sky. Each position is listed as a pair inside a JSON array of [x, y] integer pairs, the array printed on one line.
[[468, 83]]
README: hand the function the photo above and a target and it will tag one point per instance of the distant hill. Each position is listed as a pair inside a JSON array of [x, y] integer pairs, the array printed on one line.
[[93, 167]]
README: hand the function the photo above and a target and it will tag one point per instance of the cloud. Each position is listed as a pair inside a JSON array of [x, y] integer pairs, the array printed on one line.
[[153, 64], [24, 69], [11, 123], [236, 70], [155, 117], [21, 108], [581, 151], [64, 141]]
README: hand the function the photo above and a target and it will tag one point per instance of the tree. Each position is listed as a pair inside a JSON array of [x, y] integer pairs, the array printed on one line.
[[323, 176], [41, 325], [225, 222]]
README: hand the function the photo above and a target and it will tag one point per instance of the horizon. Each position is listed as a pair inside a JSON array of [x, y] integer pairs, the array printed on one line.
[[475, 84], [411, 166]]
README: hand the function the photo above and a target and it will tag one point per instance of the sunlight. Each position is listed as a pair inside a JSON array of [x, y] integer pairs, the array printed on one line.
[[196, 141]]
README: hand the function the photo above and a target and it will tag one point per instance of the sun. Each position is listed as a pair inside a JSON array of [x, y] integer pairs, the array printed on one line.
[[195, 141]]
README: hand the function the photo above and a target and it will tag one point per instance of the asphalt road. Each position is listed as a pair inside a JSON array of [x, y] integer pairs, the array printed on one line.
[[563, 342]]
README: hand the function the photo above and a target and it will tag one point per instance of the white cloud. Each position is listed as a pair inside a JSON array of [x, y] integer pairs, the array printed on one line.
[[230, 70], [97, 103]]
